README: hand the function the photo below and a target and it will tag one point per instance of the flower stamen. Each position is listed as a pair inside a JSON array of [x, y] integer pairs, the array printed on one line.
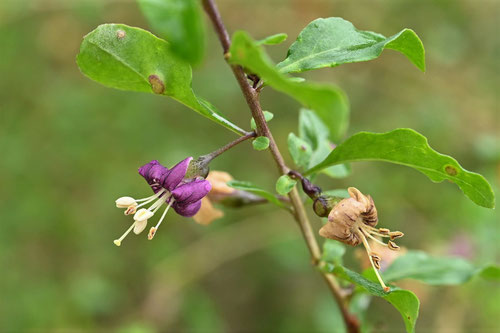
[[151, 198], [373, 238], [118, 241], [396, 234], [152, 231], [370, 253], [154, 207]]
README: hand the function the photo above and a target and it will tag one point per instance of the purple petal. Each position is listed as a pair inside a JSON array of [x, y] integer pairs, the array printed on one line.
[[156, 173], [176, 174], [152, 171], [191, 192], [143, 170], [187, 210]]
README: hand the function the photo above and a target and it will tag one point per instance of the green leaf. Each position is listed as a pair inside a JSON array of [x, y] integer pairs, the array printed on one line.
[[312, 130], [407, 304], [338, 171], [432, 270], [490, 272], [403, 300], [260, 143], [300, 151], [296, 79], [285, 184], [268, 116], [407, 147], [341, 192], [273, 39], [334, 171], [249, 187], [128, 58], [180, 22], [333, 251], [334, 41], [329, 102]]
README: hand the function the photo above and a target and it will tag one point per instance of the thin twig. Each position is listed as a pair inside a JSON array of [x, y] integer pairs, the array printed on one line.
[[230, 145], [252, 99]]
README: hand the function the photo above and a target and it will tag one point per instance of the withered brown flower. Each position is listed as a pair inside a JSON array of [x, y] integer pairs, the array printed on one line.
[[208, 213], [353, 220]]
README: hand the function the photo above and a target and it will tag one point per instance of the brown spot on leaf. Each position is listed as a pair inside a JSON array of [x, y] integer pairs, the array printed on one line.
[[120, 34], [156, 84], [451, 170]]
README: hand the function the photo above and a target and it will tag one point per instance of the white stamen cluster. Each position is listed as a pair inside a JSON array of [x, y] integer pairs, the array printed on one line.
[[142, 215]]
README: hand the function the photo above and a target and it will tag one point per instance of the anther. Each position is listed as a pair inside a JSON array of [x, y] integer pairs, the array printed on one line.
[[384, 231], [140, 226], [376, 263], [130, 210], [151, 233], [376, 260], [391, 245], [143, 214], [396, 234], [125, 202]]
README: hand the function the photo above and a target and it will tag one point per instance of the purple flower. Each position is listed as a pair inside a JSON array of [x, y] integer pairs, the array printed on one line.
[[171, 188]]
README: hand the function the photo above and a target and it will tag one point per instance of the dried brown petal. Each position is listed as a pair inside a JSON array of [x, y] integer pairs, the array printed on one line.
[[207, 213], [370, 216], [220, 190], [344, 219], [339, 232]]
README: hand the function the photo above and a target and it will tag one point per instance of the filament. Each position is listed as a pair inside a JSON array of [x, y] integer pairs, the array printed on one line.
[[368, 251]]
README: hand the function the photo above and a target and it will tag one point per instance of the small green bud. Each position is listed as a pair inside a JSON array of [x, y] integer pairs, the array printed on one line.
[[323, 205]]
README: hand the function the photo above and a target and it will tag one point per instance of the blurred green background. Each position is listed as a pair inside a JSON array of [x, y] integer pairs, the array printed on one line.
[[70, 147]]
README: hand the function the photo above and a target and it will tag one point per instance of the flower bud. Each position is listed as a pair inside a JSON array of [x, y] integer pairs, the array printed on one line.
[[323, 205]]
